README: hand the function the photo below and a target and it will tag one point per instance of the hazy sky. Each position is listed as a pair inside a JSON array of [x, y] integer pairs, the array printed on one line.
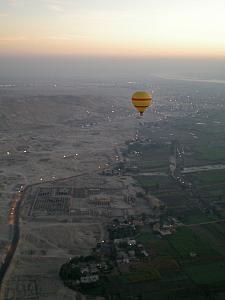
[[113, 27]]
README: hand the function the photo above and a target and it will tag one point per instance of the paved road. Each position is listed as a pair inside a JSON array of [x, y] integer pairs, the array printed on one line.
[[13, 220]]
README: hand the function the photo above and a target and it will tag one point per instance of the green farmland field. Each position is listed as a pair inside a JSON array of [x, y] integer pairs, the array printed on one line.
[[210, 273], [209, 177], [185, 241], [197, 217], [211, 153]]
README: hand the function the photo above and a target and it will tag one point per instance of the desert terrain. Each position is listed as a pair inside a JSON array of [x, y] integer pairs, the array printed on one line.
[[49, 134]]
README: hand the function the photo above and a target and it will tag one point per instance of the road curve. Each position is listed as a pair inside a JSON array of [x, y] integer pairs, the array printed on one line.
[[13, 220], [15, 239]]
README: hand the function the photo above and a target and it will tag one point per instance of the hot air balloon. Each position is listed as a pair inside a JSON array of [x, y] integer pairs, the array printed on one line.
[[141, 101]]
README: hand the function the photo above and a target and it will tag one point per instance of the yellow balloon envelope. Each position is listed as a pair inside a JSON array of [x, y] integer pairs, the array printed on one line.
[[141, 101]]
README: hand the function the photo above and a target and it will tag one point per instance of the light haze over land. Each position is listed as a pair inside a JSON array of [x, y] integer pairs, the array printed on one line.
[[74, 156], [103, 39], [90, 68]]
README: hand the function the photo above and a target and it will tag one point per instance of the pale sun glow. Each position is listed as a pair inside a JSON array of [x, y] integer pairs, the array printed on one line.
[[113, 28]]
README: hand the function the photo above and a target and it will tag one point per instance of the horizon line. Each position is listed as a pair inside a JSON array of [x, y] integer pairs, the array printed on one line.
[[136, 57]]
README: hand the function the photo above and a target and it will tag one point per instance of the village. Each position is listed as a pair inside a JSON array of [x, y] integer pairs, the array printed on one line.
[[115, 255]]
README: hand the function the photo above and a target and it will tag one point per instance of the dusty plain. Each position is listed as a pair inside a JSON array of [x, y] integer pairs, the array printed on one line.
[[58, 141], [49, 133]]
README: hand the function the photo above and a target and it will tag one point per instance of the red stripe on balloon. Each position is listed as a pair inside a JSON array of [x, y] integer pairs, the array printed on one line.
[[138, 99], [141, 106]]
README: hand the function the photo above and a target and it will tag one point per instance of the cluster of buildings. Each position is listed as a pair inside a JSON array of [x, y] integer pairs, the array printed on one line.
[[89, 273], [119, 252], [166, 228], [88, 270], [55, 200], [125, 247], [128, 251]]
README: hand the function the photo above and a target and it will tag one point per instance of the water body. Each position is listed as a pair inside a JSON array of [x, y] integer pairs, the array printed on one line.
[[219, 81]]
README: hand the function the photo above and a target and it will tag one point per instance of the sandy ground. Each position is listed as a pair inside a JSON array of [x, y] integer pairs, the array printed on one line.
[[50, 131], [47, 138], [58, 239]]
